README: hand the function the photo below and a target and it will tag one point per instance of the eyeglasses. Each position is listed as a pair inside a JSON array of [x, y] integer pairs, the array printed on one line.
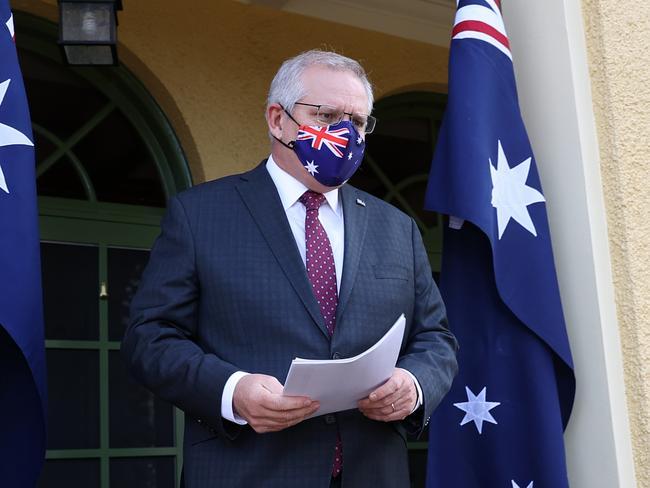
[[328, 115]]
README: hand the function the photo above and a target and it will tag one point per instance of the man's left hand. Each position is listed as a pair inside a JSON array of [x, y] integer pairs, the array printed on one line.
[[393, 400]]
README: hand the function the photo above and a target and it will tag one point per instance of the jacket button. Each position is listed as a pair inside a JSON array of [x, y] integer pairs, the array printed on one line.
[[330, 419], [336, 355], [199, 421]]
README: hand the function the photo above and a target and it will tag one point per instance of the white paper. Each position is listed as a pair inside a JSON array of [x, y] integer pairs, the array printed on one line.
[[338, 384]]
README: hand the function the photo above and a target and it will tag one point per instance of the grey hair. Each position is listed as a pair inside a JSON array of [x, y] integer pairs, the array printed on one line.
[[287, 87]]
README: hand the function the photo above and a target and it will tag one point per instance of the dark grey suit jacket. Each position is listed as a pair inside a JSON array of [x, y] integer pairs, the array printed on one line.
[[226, 290]]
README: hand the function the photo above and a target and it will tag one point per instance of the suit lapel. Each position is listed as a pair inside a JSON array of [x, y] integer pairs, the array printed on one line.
[[260, 196], [355, 217]]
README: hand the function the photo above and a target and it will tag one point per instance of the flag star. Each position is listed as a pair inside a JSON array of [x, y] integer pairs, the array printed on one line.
[[350, 155], [3, 181], [510, 194], [9, 136], [10, 25], [515, 485], [359, 140], [476, 409], [311, 167]]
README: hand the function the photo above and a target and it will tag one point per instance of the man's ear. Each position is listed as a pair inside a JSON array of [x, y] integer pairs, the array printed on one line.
[[274, 119]]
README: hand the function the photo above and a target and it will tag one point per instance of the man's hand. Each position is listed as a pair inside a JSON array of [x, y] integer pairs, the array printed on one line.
[[393, 400], [258, 400]]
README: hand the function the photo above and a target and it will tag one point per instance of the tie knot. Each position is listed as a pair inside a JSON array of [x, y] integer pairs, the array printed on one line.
[[312, 200]]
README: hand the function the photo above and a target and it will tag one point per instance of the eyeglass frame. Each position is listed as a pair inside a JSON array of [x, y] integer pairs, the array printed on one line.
[[369, 117]]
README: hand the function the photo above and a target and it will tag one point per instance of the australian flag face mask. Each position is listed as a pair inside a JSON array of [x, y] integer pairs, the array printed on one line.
[[331, 154]]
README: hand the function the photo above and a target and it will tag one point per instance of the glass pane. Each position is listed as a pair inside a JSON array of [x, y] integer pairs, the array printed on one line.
[[89, 55], [87, 21], [151, 472], [63, 103], [124, 172], [66, 473], [137, 417], [60, 180], [124, 269], [70, 291], [59, 99], [73, 406]]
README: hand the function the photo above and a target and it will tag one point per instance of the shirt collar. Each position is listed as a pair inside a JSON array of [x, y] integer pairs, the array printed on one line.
[[290, 189]]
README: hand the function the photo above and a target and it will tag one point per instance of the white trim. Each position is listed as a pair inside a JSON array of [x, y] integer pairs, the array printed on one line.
[[550, 57]]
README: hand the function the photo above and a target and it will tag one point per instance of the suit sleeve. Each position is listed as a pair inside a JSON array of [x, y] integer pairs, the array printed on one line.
[[159, 346], [430, 351]]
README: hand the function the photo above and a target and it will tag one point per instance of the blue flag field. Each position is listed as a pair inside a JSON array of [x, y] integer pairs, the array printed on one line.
[[22, 351], [502, 423]]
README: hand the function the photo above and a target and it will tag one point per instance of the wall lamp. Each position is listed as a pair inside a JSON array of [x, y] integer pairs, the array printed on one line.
[[88, 32]]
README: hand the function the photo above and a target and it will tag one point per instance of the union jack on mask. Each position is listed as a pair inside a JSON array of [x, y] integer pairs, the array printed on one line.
[[331, 154]]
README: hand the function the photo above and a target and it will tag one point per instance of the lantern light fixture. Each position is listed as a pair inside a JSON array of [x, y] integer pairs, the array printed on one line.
[[88, 31]]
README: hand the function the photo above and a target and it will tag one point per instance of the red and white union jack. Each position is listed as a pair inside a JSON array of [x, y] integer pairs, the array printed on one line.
[[323, 135], [482, 22]]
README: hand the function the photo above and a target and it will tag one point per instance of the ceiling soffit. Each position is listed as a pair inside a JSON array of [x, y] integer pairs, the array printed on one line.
[[427, 21]]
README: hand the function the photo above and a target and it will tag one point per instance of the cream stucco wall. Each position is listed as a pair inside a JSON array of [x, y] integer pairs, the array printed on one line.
[[618, 40]]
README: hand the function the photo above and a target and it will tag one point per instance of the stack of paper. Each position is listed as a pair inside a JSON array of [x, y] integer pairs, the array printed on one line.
[[338, 384]]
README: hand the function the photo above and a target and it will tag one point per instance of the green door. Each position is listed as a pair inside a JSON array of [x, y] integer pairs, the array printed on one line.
[[104, 429]]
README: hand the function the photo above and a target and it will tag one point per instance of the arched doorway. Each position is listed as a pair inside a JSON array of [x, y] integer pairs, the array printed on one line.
[[106, 162]]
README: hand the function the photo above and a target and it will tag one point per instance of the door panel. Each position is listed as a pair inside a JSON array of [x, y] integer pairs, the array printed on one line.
[[104, 428], [70, 275], [124, 269]]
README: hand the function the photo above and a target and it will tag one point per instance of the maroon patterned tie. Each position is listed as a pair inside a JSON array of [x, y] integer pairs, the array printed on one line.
[[322, 276]]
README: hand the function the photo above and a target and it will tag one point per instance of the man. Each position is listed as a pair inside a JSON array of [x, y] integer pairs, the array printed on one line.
[[285, 261]]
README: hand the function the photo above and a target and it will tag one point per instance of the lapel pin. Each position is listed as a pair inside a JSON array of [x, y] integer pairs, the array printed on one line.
[[361, 202]]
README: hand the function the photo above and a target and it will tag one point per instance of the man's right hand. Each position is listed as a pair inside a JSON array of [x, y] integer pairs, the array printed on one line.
[[258, 399]]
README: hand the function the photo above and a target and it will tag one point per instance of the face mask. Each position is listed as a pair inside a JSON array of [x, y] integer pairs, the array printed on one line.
[[331, 154]]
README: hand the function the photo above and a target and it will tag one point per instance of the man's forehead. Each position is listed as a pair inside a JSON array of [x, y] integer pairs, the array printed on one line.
[[333, 86]]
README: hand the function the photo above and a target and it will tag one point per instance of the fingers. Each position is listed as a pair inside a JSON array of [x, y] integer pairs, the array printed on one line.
[[281, 413], [388, 393], [394, 400], [259, 400], [390, 413]]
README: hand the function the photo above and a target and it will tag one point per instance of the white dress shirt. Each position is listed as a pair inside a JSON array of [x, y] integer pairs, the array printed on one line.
[[331, 217]]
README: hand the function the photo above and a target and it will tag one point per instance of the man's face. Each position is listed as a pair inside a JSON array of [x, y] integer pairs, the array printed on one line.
[[323, 86]]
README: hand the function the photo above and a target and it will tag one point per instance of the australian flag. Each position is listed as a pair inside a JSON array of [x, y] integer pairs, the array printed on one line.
[[22, 350], [502, 423]]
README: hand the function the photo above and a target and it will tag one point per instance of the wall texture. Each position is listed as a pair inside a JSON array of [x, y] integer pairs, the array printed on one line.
[[618, 39]]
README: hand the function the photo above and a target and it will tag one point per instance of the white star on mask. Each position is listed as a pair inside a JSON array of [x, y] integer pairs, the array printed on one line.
[[311, 167]]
